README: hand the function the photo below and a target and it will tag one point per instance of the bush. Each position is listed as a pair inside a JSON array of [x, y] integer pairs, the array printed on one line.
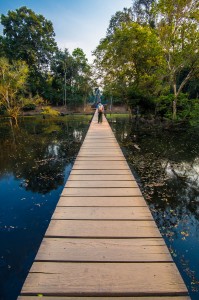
[[29, 106], [48, 111]]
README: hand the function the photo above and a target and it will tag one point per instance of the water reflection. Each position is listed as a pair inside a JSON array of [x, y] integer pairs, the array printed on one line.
[[38, 151], [166, 165], [35, 162]]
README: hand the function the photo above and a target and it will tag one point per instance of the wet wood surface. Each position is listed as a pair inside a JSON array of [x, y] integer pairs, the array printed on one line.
[[102, 241]]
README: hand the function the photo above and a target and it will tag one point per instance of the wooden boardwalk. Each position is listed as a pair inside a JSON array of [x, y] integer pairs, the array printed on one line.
[[102, 241]]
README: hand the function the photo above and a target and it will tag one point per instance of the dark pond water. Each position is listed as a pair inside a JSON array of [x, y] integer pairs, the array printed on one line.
[[166, 165], [35, 162]]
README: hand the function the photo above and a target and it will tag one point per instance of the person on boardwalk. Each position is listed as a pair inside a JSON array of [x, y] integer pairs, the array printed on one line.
[[100, 109]]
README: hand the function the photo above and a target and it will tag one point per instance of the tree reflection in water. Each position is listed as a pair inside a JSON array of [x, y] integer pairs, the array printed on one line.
[[166, 166], [35, 161]]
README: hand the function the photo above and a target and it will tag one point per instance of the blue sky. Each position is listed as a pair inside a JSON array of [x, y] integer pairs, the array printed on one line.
[[77, 23]]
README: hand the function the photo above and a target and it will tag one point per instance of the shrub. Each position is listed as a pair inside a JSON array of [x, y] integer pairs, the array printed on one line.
[[29, 106], [48, 111]]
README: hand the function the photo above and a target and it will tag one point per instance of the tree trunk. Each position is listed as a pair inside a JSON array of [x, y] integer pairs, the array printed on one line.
[[174, 109], [14, 120], [175, 101]]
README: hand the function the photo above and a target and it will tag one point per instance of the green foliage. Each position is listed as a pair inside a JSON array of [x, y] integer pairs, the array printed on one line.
[[143, 13], [194, 113], [12, 81], [188, 109], [164, 105], [29, 106], [48, 111], [131, 63], [155, 56], [38, 100], [29, 37], [116, 21], [177, 28], [72, 77]]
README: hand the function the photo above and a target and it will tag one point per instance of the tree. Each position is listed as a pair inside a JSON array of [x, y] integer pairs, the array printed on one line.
[[178, 31], [71, 76], [116, 21], [29, 37], [131, 63], [12, 79], [143, 13], [82, 77]]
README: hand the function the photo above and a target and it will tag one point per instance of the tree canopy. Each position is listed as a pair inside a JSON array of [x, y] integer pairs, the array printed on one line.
[[28, 36], [151, 52], [55, 75]]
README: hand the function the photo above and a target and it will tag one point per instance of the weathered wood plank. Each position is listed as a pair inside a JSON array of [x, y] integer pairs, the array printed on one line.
[[104, 298], [100, 229], [101, 142], [102, 201], [98, 152], [100, 147], [101, 177], [100, 172], [103, 139], [101, 184], [105, 279], [102, 213], [103, 250], [112, 165], [90, 192], [100, 158]]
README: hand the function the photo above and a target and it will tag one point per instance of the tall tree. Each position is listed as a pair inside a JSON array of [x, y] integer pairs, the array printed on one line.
[[131, 63], [29, 37], [178, 31], [82, 78]]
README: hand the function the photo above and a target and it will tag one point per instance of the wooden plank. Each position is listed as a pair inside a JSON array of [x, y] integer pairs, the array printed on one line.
[[111, 165], [104, 279], [95, 145], [100, 139], [99, 153], [89, 145], [104, 298], [100, 172], [100, 229], [100, 147], [101, 142], [101, 177], [104, 151], [103, 250], [81, 157], [101, 184], [102, 213], [108, 192], [102, 201]]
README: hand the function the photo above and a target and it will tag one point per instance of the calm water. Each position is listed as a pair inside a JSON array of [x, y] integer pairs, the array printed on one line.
[[35, 162], [166, 165]]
